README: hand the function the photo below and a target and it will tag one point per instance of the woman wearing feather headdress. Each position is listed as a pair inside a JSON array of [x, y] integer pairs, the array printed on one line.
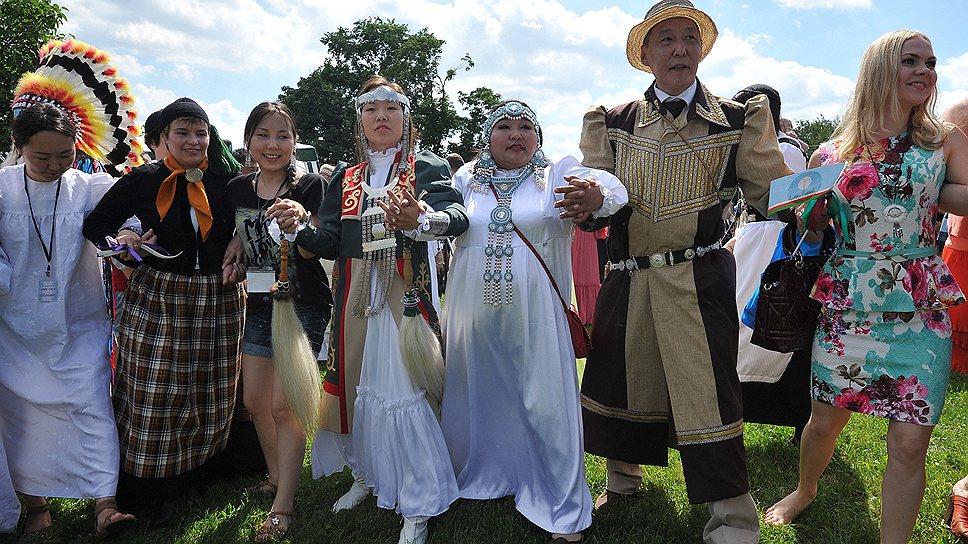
[[56, 422]]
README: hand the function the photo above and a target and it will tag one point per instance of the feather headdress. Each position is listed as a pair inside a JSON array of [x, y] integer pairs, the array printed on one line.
[[79, 79]]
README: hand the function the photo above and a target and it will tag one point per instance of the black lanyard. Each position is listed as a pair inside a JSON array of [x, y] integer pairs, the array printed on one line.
[[48, 252]]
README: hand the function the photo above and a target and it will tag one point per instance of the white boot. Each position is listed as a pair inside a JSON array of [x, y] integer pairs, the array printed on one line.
[[353, 497], [414, 530]]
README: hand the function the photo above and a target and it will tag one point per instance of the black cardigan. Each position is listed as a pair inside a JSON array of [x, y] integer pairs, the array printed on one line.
[[134, 195]]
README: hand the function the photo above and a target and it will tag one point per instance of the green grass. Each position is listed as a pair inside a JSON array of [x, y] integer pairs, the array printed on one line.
[[846, 511]]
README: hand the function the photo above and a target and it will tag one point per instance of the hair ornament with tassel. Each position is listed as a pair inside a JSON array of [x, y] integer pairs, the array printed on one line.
[[419, 345], [292, 353]]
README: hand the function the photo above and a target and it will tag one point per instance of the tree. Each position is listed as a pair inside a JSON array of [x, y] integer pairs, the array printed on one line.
[[816, 131], [25, 25], [478, 104], [322, 102]]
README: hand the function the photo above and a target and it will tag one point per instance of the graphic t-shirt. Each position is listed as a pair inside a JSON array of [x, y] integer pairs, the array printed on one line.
[[260, 238]]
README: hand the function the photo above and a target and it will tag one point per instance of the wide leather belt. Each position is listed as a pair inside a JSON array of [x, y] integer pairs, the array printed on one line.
[[660, 259]]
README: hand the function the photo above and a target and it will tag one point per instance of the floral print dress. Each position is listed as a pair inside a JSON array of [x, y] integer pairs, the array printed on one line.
[[883, 343]]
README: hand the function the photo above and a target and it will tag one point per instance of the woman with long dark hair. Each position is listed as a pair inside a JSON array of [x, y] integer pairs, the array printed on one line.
[[56, 423], [378, 410], [280, 420]]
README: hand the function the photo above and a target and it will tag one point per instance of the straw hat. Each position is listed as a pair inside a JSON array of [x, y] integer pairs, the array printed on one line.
[[669, 9]]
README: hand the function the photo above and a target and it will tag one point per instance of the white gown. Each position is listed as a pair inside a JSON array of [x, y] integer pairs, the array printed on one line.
[[56, 419], [396, 444], [511, 412], [9, 504]]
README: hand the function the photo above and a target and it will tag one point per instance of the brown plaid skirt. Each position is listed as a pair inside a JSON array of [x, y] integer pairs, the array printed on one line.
[[177, 370]]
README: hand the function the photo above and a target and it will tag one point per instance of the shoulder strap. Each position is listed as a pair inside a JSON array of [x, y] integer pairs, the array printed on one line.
[[536, 254], [794, 143]]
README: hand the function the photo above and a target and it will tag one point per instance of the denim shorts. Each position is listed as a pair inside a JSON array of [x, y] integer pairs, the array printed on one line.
[[257, 339]]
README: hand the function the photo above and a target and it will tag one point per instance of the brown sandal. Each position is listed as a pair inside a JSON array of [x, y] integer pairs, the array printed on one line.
[[36, 510], [110, 528], [272, 529], [265, 487], [956, 518]]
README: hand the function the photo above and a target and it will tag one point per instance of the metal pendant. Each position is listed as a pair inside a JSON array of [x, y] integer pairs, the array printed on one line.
[[894, 213], [194, 174]]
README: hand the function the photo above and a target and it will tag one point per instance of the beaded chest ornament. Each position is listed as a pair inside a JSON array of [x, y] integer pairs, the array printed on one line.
[[379, 249], [498, 287]]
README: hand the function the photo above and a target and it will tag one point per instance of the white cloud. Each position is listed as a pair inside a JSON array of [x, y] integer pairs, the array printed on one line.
[[182, 73], [229, 120], [231, 36], [825, 4], [955, 71], [806, 91], [150, 99], [131, 67], [558, 55]]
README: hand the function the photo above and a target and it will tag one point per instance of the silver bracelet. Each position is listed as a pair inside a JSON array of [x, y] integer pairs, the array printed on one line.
[[435, 223]]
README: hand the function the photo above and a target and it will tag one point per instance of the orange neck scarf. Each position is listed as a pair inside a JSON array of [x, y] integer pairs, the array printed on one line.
[[196, 195]]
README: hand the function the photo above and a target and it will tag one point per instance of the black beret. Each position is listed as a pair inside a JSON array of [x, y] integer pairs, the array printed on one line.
[[183, 107]]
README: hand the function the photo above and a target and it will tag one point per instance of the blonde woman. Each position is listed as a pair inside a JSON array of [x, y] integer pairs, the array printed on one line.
[[886, 350]]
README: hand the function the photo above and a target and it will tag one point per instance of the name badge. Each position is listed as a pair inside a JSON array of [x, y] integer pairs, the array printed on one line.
[[47, 291], [259, 280]]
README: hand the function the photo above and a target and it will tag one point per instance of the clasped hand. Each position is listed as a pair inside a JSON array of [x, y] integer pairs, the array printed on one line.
[[402, 212], [582, 198], [133, 240], [287, 213]]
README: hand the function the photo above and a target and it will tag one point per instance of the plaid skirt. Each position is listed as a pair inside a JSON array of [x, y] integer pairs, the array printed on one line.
[[177, 370]]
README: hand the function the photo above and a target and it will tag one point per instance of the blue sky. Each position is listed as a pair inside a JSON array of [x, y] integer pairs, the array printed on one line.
[[561, 56]]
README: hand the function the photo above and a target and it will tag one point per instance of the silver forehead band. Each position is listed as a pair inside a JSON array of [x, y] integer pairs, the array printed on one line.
[[513, 111], [382, 94]]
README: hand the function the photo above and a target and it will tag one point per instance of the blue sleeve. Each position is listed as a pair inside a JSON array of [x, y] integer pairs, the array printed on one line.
[[749, 312]]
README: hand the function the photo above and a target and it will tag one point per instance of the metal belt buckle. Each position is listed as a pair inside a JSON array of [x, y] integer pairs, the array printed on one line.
[[631, 266], [690, 254], [657, 260]]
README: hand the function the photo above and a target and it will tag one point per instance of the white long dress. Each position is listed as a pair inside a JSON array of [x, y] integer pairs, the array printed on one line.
[[511, 413], [396, 445], [56, 419], [9, 504]]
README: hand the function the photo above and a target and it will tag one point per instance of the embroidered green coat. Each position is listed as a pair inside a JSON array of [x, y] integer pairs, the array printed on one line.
[[339, 237]]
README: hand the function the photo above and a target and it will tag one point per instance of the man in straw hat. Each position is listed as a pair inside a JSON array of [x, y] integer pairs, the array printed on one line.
[[682, 152]]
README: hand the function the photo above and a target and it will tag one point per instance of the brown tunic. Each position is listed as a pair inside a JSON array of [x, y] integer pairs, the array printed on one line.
[[663, 369]]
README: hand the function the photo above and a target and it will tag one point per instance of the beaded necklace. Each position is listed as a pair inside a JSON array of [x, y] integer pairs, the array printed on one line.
[[500, 230], [894, 187]]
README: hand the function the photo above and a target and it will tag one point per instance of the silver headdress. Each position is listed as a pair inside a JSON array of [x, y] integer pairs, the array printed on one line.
[[485, 166], [381, 94]]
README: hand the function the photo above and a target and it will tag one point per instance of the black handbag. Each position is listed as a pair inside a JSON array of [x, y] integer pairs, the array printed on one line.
[[786, 316]]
